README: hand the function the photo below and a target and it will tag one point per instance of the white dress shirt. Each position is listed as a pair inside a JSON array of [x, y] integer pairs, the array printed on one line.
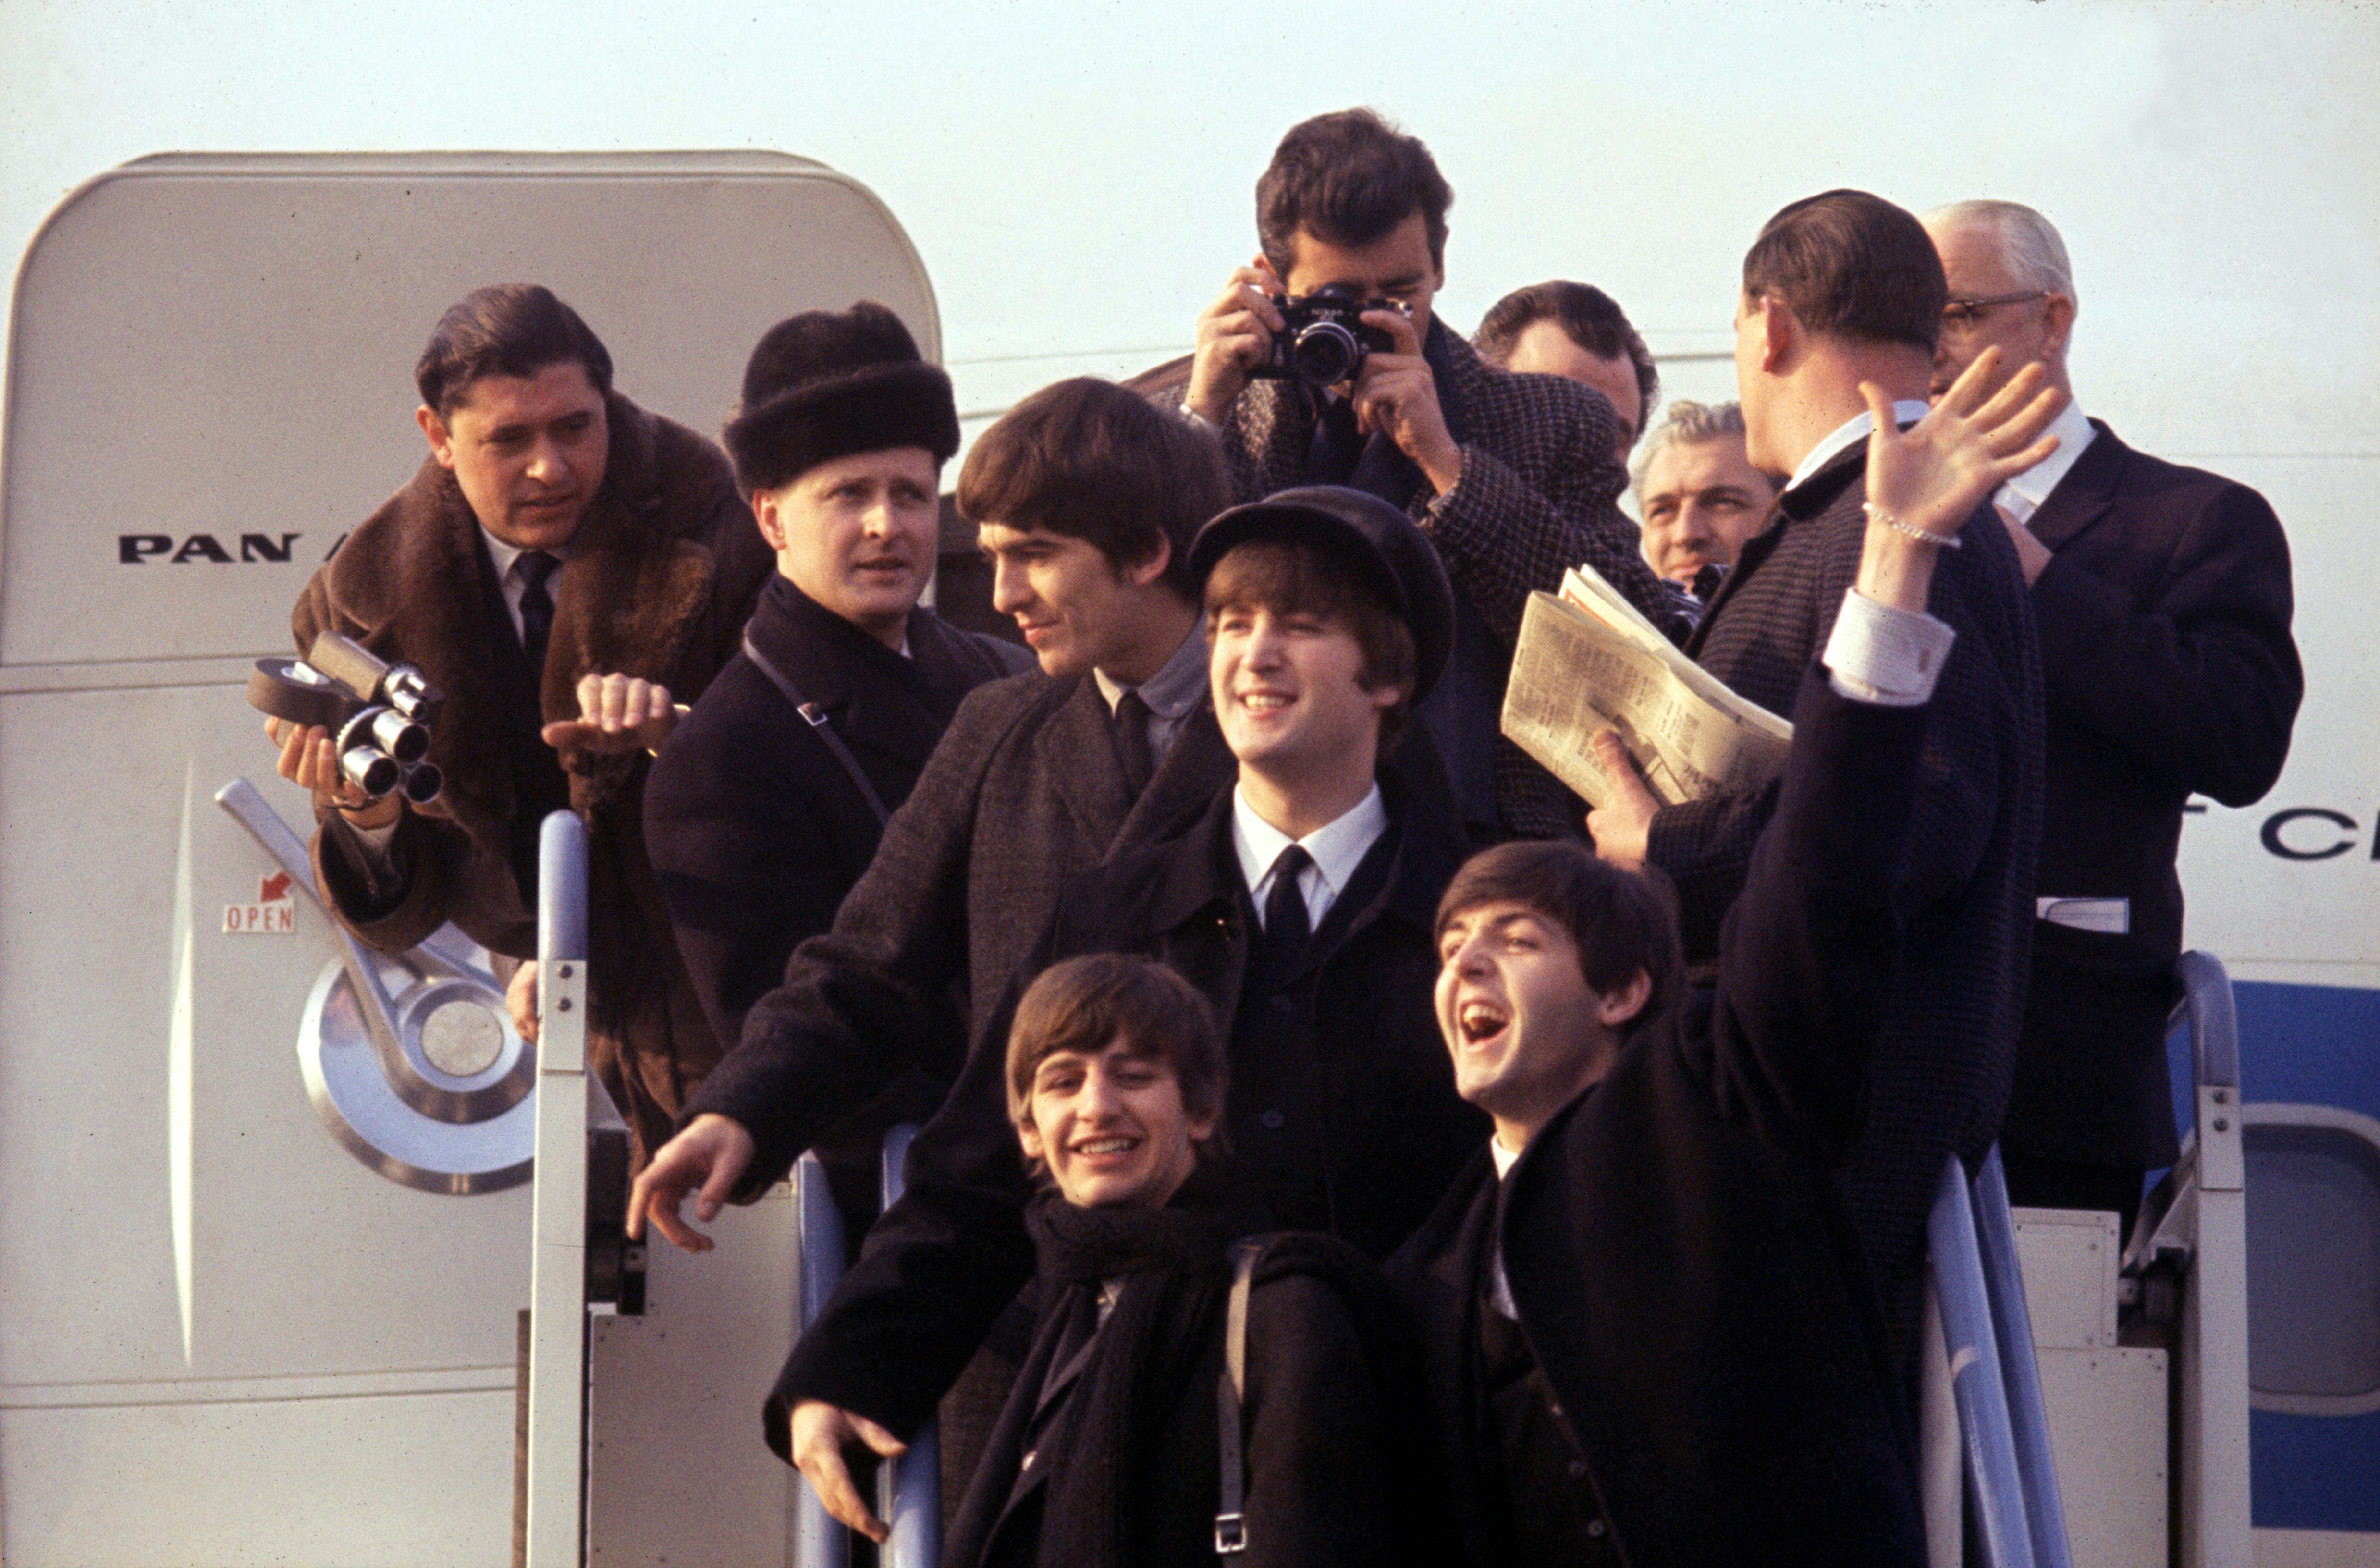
[[2023, 496], [1335, 850]]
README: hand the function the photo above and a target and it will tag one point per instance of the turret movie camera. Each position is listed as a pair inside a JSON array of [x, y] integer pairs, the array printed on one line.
[[379, 714], [1323, 340]]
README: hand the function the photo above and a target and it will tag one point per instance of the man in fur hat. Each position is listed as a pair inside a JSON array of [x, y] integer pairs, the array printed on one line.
[[562, 567], [769, 799]]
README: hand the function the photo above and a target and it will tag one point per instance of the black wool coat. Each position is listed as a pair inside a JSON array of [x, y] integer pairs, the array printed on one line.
[[1342, 1111], [1327, 1421], [1964, 877], [1684, 1268], [2166, 668], [1024, 791], [754, 827]]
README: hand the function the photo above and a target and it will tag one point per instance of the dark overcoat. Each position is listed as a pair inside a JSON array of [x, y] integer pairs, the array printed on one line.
[[664, 569], [1342, 1111], [1328, 1444], [1965, 880], [754, 827], [2166, 668], [1024, 791], [1539, 494], [1682, 1265]]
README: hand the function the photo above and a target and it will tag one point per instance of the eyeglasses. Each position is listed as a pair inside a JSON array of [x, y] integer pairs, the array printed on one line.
[[1963, 316]]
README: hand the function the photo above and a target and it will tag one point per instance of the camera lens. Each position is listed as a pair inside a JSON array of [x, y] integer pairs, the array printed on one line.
[[422, 782], [1326, 354], [374, 773], [400, 736]]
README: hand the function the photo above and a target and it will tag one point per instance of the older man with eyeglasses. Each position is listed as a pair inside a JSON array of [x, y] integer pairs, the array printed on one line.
[[2162, 598]]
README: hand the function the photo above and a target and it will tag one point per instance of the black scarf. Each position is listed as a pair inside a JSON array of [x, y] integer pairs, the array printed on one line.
[[1177, 1278]]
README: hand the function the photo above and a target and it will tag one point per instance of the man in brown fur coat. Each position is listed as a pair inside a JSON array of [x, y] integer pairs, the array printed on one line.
[[564, 566]]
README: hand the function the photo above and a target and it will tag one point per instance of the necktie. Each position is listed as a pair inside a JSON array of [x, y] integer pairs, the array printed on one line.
[[1337, 444], [1287, 927], [1130, 727], [536, 606]]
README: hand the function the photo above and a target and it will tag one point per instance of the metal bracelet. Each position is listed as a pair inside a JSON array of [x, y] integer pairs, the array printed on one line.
[[1876, 513]]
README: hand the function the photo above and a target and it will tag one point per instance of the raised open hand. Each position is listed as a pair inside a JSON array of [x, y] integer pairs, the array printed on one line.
[[1931, 475]]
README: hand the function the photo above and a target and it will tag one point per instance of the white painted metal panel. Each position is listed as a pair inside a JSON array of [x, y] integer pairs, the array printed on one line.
[[395, 1481], [204, 1298], [225, 346], [678, 1470]]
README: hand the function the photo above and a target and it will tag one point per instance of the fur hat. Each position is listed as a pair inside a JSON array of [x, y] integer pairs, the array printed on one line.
[[1380, 541], [827, 383]]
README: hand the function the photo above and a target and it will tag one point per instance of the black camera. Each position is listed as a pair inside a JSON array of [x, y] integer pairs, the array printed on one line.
[[1323, 340], [379, 714]]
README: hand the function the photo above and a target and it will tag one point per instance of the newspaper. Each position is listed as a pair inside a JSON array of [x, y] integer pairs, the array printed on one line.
[[1588, 661]]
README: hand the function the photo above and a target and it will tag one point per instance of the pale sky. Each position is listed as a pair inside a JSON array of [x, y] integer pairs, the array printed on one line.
[[1078, 177]]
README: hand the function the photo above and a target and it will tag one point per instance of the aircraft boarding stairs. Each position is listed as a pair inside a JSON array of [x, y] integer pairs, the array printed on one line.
[[2029, 1381]]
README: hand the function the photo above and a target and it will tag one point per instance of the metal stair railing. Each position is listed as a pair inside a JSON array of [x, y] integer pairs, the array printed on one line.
[[1995, 1381], [909, 1486]]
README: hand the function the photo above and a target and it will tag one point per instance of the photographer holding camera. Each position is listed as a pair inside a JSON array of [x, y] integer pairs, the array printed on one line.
[[1511, 476], [562, 567]]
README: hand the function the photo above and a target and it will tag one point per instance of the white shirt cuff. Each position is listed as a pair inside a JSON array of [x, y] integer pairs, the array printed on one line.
[[1885, 656], [1201, 420]]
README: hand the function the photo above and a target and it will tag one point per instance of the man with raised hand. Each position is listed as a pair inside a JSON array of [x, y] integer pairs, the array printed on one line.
[[1839, 289], [2162, 599], [1649, 1330]]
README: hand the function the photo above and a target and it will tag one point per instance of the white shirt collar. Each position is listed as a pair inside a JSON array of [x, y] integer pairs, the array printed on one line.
[[1177, 686], [1505, 1158], [1337, 847], [2022, 496], [1908, 411], [503, 554]]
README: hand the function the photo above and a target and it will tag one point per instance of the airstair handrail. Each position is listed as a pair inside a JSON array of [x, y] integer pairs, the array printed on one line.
[[912, 1481], [820, 1541], [909, 1486], [2214, 1022], [561, 890], [1976, 1377], [2037, 1460], [556, 1522]]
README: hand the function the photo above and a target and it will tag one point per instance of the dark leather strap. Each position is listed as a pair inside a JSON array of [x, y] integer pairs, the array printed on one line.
[[815, 716], [1230, 1519]]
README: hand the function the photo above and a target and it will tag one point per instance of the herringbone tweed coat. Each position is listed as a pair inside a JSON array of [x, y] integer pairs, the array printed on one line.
[[1943, 1064], [664, 569], [1024, 791], [1539, 494]]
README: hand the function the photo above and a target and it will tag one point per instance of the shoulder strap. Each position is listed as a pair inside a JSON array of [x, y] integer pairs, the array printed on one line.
[[1231, 1520], [815, 716]]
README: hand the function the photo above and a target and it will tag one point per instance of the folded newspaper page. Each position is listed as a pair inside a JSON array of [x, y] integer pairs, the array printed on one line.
[[1587, 660]]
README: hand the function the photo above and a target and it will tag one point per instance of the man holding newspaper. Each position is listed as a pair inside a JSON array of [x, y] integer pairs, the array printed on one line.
[[1839, 289]]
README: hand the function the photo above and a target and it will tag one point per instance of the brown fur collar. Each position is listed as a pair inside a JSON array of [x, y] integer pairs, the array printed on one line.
[[666, 534]]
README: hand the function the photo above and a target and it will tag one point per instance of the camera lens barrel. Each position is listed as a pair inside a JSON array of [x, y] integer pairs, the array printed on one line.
[[422, 782], [373, 772], [400, 736], [1326, 353]]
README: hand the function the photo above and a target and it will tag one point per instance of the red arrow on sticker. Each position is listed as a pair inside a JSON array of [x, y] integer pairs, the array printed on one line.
[[274, 888]]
